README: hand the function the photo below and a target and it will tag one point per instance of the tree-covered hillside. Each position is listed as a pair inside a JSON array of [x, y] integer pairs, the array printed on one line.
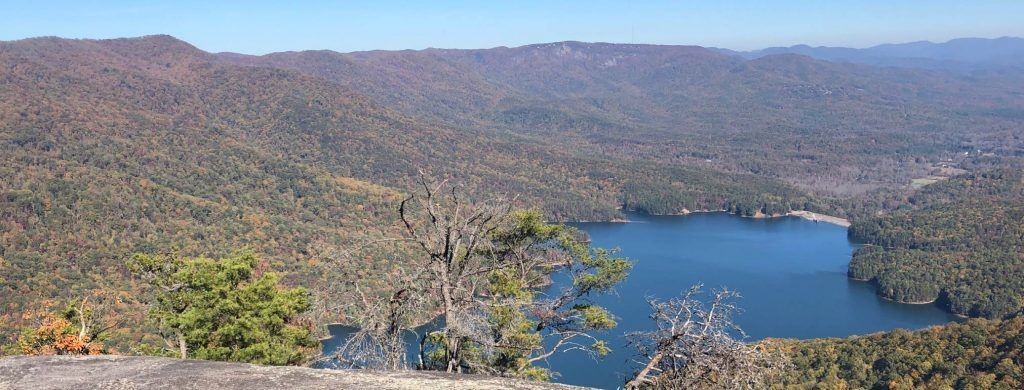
[[147, 144], [960, 242], [835, 129], [115, 147], [977, 354], [119, 146]]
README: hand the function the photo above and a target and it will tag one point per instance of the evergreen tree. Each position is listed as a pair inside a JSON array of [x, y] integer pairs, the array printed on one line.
[[226, 309]]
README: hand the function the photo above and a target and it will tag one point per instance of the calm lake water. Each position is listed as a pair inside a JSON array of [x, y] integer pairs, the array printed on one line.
[[791, 273]]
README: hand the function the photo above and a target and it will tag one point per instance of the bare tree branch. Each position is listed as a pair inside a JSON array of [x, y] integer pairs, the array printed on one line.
[[697, 345]]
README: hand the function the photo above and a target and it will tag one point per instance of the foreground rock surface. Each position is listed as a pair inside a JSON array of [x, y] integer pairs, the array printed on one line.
[[132, 372]]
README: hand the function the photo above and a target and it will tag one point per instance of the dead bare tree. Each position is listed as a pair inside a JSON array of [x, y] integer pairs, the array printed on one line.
[[381, 311], [94, 318], [452, 234], [377, 342], [697, 345], [477, 265]]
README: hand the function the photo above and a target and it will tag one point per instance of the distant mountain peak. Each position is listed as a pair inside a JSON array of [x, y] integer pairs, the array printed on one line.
[[153, 43], [161, 56]]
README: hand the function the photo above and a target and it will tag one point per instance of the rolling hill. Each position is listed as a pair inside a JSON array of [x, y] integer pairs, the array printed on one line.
[[788, 117]]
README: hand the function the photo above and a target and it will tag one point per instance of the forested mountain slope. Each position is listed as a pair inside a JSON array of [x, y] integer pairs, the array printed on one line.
[[108, 153], [117, 146]]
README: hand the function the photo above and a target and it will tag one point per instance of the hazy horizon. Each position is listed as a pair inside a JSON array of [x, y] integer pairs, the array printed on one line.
[[513, 46], [264, 27]]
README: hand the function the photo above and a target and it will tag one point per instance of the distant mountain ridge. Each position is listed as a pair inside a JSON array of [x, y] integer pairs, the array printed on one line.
[[665, 100], [962, 54]]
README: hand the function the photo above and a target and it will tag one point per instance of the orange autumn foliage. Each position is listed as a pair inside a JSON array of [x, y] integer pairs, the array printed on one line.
[[57, 336]]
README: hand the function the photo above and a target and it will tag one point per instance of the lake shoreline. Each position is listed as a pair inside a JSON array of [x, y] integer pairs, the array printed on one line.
[[816, 217], [792, 275], [808, 215], [910, 302]]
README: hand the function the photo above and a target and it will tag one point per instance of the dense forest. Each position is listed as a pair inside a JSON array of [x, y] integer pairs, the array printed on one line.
[[958, 241], [148, 145], [977, 354], [143, 145]]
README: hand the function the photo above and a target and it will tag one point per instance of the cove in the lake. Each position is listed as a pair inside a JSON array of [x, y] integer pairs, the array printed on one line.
[[790, 271]]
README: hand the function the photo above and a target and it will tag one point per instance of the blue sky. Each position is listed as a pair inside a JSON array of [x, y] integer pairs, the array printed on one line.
[[257, 27]]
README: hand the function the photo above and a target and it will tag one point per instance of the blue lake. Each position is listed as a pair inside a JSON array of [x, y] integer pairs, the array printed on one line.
[[791, 273]]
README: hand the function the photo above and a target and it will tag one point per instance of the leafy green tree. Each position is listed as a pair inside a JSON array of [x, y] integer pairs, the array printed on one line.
[[529, 326], [225, 309]]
